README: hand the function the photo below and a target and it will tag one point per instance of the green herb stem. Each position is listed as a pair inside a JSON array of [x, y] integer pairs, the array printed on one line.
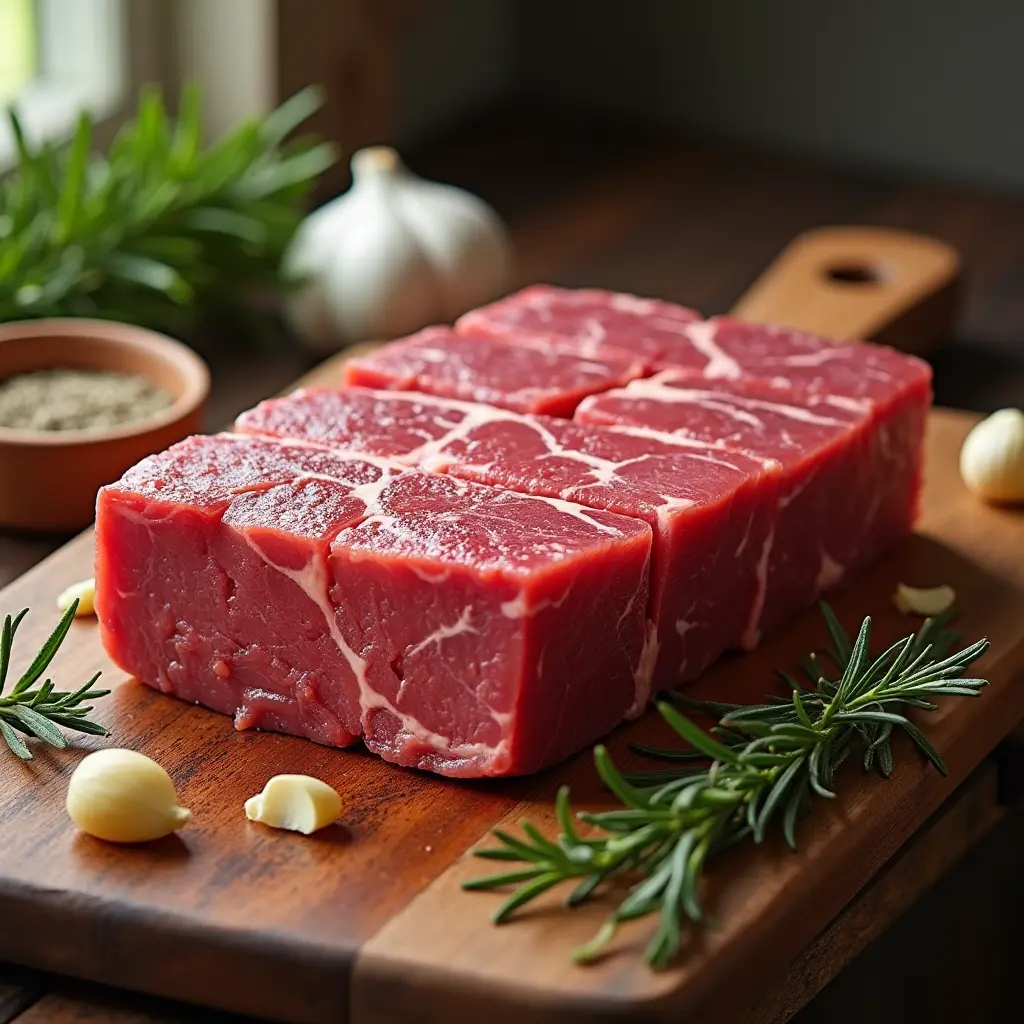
[[759, 765], [160, 231], [41, 711]]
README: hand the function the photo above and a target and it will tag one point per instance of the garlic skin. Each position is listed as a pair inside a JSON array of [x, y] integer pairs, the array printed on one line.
[[124, 797], [298, 803], [393, 254], [923, 600], [84, 593], [992, 457]]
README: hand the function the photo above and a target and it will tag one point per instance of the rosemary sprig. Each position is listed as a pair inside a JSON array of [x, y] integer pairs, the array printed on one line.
[[162, 230], [38, 710], [767, 762]]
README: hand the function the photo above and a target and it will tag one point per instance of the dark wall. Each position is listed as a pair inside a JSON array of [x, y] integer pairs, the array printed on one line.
[[931, 86]]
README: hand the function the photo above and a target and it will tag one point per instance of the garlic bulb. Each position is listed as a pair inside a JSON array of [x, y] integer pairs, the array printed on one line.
[[992, 457], [393, 254], [124, 797], [298, 803]]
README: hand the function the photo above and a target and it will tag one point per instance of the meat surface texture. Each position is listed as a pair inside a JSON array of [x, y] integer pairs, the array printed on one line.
[[340, 596], [586, 321], [724, 349], [438, 361], [489, 547], [711, 510], [851, 467], [467, 600]]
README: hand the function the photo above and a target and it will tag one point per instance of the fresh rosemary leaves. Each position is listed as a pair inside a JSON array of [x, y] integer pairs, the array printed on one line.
[[161, 231], [38, 710], [767, 761]]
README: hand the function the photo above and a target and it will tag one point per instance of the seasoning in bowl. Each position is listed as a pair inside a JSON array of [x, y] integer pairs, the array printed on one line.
[[66, 399]]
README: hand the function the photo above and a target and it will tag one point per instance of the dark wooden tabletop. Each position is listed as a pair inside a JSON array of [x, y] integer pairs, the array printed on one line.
[[598, 205]]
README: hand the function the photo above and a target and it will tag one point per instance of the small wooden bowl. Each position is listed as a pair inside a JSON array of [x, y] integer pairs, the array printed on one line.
[[48, 480]]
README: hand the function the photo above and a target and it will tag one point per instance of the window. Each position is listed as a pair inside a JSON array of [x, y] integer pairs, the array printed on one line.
[[58, 57], [17, 46]]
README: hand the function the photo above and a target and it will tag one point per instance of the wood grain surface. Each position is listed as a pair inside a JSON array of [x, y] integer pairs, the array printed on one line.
[[369, 915], [74, 1003], [18, 990], [962, 822], [769, 903], [857, 283], [592, 204]]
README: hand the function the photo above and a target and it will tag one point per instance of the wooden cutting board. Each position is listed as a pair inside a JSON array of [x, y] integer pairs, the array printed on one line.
[[366, 921]]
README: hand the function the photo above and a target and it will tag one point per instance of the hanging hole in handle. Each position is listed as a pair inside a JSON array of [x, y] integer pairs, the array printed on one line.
[[857, 274]]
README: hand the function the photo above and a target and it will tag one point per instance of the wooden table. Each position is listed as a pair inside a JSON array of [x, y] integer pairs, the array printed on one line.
[[693, 225]]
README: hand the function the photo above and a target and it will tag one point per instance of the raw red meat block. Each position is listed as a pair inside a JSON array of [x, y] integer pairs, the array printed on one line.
[[843, 496], [211, 578], [889, 389], [502, 632], [476, 368], [711, 510], [334, 596], [362, 419], [587, 321], [726, 349]]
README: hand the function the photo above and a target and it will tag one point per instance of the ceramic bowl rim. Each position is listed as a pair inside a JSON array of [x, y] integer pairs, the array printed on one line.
[[191, 367]]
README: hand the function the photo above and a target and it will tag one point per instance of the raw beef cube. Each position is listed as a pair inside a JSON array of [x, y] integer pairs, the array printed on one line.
[[726, 349], [440, 362], [891, 389], [361, 419], [834, 502], [711, 510], [206, 472], [211, 579], [587, 321], [338, 596], [501, 633]]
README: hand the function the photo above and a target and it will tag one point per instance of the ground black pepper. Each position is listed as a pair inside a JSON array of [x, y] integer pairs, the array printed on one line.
[[66, 399]]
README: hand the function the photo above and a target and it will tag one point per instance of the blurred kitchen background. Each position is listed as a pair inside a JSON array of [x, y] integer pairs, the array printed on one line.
[[664, 147], [668, 148]]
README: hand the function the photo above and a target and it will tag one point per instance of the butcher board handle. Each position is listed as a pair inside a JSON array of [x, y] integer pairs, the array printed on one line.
[[860, 283]]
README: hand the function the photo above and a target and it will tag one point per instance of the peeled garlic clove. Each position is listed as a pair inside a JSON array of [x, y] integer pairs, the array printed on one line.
[[923, 600], [298, 803], [992, 457], [123, 796], [84, 592]]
